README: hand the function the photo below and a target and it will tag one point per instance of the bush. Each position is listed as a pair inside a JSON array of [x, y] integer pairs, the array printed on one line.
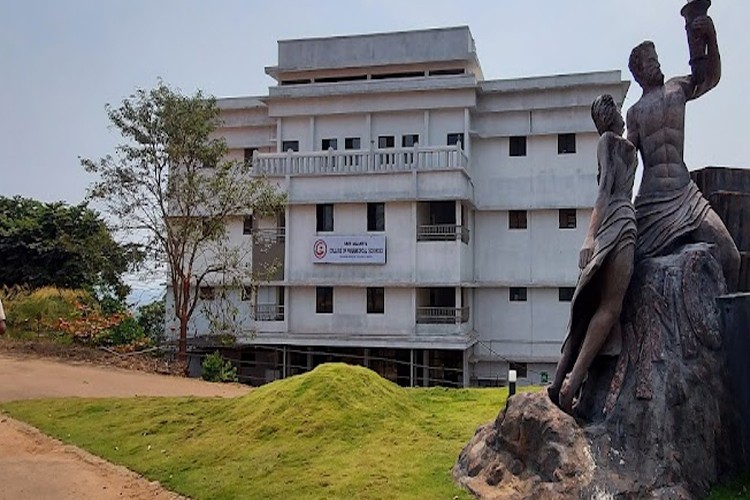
[[151, 318], [41, 310], [216, 369], [126, 332]]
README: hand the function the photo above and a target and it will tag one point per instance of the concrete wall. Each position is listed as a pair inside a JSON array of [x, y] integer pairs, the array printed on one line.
[[542, 254], [349, 317]]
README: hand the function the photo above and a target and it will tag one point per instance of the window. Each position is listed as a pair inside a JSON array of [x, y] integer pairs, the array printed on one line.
[[247, 224], [324, 299], [376, 216], [375, 300], [517, 219], [520, 368], [352, 143], [327, 144], [409, 140], [517, 146], [566, 144], [517, 294], [386, 141], [565, 293], [249, 152], [567, 218], [324, 217], [287, 145], [247, 292], [455, 138], [206, 293]]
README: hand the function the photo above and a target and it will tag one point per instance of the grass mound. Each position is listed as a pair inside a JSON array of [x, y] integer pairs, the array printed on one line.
[[333, 398], [339, 431]]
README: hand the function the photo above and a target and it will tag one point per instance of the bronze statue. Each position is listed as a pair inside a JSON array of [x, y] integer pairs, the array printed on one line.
[[606, 258], [670, 209]]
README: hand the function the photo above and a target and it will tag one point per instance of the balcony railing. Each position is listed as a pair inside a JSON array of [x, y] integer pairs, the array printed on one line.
[[442, 315], [268, 312], [442, 232], [269, 236], [360, 161]]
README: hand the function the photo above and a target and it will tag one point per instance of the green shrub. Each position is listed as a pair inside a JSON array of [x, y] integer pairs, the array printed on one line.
[[42, 309], [128, 331], [151, 317], [216, 369]]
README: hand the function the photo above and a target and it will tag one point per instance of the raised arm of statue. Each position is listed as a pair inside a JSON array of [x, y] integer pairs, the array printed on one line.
[[705, 60]]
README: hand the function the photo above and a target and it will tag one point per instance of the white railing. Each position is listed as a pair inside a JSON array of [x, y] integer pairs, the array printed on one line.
[[442, 232], [268, 312], [442, 315], [269, 236], [360, 161]]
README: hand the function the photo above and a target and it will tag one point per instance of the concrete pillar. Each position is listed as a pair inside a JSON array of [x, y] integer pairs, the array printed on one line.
[[426, 367], [283, 362], [367, 358], [411, 368], [465, 372], [279, 135], [309, 358]]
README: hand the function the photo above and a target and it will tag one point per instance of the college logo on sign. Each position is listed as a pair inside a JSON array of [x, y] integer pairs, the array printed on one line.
[[349, 249], [320, 249]]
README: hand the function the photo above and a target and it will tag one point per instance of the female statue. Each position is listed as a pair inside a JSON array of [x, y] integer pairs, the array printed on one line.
[[606, 258]]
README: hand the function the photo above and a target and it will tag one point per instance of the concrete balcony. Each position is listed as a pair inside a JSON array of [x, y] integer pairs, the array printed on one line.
[[442, 315], [268, 312], [442, 232], [360, 161]]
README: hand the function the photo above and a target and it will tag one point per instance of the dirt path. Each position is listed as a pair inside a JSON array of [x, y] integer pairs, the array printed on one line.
[[34, 466]]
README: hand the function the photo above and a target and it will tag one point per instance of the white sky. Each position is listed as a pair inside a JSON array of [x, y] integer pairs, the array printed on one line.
[[61, 62]]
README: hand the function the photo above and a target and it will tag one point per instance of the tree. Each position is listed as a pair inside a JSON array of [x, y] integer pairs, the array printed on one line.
[[170, 181], [60, 245]]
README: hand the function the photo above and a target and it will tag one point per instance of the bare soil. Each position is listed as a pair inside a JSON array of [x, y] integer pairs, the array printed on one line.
[[33, 465]]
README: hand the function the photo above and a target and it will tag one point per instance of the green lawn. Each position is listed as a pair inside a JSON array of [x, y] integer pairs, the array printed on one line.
[[337, 432]]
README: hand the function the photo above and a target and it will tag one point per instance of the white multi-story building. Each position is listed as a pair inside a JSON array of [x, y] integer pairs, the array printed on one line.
[[434, 217]]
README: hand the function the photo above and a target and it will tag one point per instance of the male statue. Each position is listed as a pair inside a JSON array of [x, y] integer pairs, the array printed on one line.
[[670, 209]]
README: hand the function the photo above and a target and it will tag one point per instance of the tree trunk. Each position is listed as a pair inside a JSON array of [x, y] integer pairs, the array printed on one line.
[[182, 343]]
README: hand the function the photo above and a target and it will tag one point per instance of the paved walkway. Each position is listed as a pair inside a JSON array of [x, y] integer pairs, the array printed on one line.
[[34, 466]]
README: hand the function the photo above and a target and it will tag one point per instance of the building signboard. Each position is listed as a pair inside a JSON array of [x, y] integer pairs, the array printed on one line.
[[367, 249]]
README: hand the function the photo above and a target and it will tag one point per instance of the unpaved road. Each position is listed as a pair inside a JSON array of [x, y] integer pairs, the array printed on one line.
[[34, 466]]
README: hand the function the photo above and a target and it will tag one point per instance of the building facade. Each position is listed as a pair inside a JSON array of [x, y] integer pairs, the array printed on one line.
[[434, 216]]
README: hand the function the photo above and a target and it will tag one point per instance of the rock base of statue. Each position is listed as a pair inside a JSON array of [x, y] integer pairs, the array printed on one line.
[[657, 421]]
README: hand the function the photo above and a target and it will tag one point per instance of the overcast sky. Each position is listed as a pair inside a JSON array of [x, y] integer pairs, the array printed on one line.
[[62, 61]]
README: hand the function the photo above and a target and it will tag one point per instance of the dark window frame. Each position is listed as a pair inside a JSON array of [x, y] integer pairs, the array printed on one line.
[[323, 300], [248, 224], [453, 138], [324, 224], [375, 222], [249, 154], [518, 219], [517, 145], [333, 143], [287, 145], [567, 218], [565, 293], [375, 300], [566, 144], [349, 143], [386, 141], [522, 369], [207, 292], [409, 140], [518, 294]]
